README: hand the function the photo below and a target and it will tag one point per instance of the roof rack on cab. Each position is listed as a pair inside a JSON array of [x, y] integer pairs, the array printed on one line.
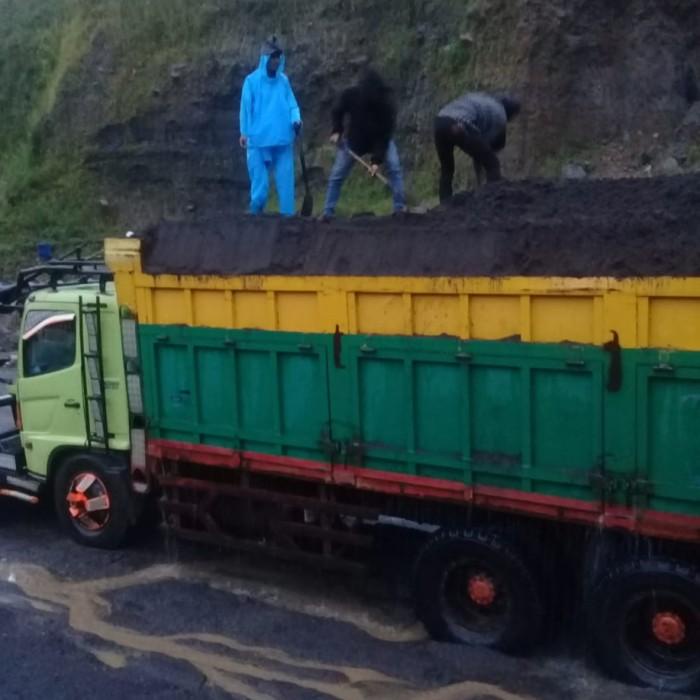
[[68, 270]]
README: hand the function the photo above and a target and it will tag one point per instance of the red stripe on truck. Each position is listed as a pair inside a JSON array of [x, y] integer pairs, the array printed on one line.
[[645, 522]]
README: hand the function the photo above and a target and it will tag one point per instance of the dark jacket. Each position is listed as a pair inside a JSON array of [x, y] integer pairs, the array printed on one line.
[[372, 111], [486, 114]]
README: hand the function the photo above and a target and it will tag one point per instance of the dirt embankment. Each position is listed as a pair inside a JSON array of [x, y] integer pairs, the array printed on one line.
[[619, 228]]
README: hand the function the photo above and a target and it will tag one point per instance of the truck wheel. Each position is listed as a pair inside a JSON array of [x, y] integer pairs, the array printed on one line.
[[92, 502], [474, 587], [644, 622]]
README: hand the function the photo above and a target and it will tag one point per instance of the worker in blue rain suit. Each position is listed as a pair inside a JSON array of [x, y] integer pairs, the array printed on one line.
[[270, 119]]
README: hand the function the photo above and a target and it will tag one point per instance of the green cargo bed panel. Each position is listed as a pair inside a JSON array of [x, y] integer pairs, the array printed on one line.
[[668, 409], [205, 388], [497, 414], [548, 419], [567, 430], [496, 425]]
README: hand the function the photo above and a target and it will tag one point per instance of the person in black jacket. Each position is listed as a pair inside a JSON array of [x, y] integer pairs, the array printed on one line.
[[371, 112], [476, 124]]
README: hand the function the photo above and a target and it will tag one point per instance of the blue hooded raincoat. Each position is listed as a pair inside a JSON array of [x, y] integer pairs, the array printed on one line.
[[269, 111]]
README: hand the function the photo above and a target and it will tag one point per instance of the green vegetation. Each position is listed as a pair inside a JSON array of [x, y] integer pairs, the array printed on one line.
[[29, 41], [44, 194], [52, 199]]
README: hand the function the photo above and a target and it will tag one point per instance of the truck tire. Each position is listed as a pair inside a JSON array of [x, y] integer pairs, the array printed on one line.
[[474, 587], [644, 623], [92, 501]]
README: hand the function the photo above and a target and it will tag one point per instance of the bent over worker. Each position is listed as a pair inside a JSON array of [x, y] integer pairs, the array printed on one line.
[[270, 118], [475, 123], [371, 111]]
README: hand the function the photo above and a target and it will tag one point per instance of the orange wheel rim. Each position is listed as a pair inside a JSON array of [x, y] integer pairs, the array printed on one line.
[[88, 502], [482, 590], [669, 628]]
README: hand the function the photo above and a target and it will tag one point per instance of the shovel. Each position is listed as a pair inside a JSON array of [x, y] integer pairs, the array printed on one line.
[[307, 206], [368, 167], [381, 178]]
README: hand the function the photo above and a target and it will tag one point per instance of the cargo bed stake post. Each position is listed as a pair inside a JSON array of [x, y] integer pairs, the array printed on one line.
[[615, 372], [338, 348]]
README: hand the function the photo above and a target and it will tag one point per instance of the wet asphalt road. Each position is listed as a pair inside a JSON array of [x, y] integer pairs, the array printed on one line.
[[163, 619]]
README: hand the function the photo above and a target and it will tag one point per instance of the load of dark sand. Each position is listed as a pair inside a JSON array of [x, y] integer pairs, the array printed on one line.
[[618, 228]]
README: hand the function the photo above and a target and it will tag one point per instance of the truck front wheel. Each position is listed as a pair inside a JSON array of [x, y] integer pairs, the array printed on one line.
[[475, 587], [92, 502]]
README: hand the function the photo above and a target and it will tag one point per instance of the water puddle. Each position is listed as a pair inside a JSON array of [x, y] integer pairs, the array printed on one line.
[[226, 663], [112, 659]]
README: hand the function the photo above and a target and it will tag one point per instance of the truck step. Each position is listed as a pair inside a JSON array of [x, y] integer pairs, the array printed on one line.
[[15, 484], [19, 481]]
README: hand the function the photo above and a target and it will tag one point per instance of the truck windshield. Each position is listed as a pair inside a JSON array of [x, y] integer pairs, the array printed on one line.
[[48, 343]]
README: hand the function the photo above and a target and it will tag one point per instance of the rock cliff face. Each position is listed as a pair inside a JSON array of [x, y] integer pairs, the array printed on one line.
[[148, 97]]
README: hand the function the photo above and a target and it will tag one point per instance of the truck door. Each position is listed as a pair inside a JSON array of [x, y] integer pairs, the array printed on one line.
[[49, 385]]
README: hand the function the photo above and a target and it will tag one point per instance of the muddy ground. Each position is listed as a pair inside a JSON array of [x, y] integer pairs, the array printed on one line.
[[619, 228], [164, 619]]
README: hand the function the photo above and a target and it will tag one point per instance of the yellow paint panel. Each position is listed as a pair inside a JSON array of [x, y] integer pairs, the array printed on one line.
[[124, 254], [494, 317], [555, 319], [211, 309], [646, 312], [252, 310], [436, 314], [297, 311], [381, 313], [169, 306], [674, 323], [619, 314]]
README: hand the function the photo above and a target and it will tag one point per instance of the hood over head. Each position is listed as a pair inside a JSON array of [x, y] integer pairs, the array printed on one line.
[[373, 88], [269, 47], [510, 104]]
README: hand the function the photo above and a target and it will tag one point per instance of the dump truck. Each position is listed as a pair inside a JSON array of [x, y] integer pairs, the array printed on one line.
[[530, 426]]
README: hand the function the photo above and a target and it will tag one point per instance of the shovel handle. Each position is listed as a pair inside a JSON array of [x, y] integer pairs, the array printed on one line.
[[368, 167], [307, 205]]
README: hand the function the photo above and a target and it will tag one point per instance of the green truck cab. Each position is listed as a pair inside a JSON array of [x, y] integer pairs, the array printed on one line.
[[72, 440]]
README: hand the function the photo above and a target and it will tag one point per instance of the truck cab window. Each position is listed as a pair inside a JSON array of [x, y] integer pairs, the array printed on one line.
[[48, 343]]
